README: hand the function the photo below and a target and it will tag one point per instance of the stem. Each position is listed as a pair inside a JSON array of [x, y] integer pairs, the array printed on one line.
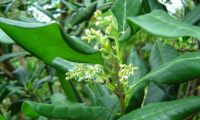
[[119, 89], [120, 95]]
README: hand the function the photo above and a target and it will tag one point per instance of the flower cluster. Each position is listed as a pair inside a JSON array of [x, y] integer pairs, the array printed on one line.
[[107, 21], [126, 71], [102, 44], [82, 72]]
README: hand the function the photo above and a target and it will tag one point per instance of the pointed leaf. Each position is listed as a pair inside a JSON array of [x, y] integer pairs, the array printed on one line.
[[162, 24], [182, 69], [173, 110], [45, 41], [161, 53], [186, 67]]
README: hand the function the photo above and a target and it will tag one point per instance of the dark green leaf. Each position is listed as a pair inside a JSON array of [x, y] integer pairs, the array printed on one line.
[[161, 53], [68, 87], [150, 5], [142, 70], [21, 75], [3, 92], [62, 64], [173, 110], [186, 68], [9, 56], [79, 45], [99, 95], [134, 58], [104, 7], [171, 27], [68, 112], [70, 5], [45, 41], [82, 15], [123, 9]]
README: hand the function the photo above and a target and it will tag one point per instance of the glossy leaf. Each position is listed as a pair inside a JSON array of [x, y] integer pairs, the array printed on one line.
[[79, 45], [82, 15], [171, 27], [98, 95], [69, 112], [62, 64], [45, 41], [193, 16], [123, 9], [173, 110], [185, 67], [161, 53], [68, 87], [104, 7]]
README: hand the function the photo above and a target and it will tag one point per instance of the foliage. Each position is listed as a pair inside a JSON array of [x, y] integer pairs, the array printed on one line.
[[99, 59]]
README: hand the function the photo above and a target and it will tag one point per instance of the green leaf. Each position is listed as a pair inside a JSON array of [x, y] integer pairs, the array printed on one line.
[[142, 70], [4, 38], [4, 92], [173, 110], [161, 53], [58, 98], [186, 67], [133, 58], [9, 56], [45, 41], [79, 45], [98, 95], [1, 117], [69, 112], [68, 87], [62, 64], [150, 5], [82, 15], [193, 16], [104, 7], [123, 9], [162, 24]]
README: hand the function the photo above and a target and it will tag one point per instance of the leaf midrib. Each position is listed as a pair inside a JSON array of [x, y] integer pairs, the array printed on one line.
[[169, 64], [174, 25]]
